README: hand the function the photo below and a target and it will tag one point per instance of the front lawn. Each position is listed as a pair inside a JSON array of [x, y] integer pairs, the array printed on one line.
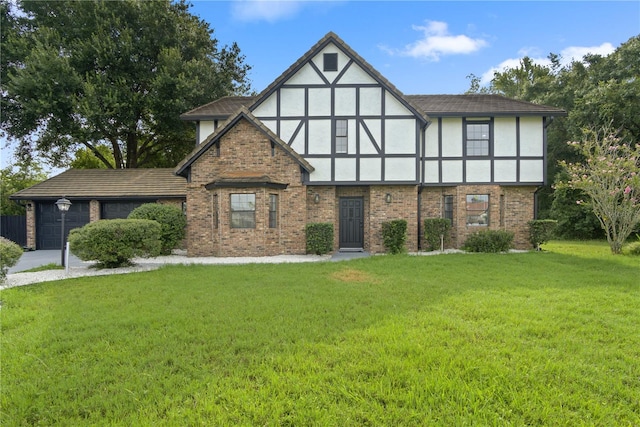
[[548, 338]]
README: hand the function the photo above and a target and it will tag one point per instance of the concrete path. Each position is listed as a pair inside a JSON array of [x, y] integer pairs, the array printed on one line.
[[34, 259]]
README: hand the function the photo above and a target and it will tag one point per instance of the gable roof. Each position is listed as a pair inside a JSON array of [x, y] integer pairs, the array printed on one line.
[[480, 104], [331, 37], [108, 184], [242, 113]]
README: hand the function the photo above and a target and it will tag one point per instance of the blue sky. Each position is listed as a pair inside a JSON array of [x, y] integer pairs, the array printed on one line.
[[422, 47]]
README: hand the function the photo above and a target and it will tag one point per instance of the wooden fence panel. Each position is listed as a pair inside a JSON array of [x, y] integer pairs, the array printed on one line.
[[14, 228]]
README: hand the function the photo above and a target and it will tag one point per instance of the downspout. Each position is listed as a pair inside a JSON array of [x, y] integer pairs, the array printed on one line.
[[419, 217], [420, 187], [547, 124], [535, 202]]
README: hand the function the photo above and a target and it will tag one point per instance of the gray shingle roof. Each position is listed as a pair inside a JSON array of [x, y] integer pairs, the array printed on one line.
[[480, 104], [108, 184], [220, 109], [431, 105]]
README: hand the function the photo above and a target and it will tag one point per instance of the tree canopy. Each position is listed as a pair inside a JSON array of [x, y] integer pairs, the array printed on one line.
[[15, 178], [96, 73]]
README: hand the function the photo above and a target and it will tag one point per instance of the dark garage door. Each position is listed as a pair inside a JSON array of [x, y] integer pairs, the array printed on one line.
[[48, 222], [115, 210]]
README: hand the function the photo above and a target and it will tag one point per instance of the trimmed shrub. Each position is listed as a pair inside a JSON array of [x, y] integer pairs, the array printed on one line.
[[541, 231], [490, 241], [433, 229], [319, 238], [394, 235], [10, 253], [114, 242], [172, 223], [633, 248]]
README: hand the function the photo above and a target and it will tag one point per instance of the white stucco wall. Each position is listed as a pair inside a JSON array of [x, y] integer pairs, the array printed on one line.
[[205, 128]]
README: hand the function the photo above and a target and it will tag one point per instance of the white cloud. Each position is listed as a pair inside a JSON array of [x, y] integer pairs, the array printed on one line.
[[264, 10], [437, 42], [567, 55], [577, 52]]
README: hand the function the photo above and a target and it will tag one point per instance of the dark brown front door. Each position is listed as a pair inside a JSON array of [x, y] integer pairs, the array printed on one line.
[[351, 223]]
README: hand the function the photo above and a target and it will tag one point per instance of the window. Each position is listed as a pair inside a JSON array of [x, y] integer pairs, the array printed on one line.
[[477, 209], [448, 208], [477, 143], [330, 61], [214, 205], [243, 211], [273, 210], [342, 141]]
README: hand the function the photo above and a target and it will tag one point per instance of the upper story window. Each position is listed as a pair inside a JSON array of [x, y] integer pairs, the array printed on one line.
[[330, 61], [342, 140], [477, 142], [243, 211], [477, 209]]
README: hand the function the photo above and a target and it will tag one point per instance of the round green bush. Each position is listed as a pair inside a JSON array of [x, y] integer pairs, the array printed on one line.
[[171, 219], [10, 253], [114, 242]]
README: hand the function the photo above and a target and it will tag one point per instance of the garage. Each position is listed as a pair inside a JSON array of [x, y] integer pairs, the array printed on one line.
[[95, 194], [49, 218]]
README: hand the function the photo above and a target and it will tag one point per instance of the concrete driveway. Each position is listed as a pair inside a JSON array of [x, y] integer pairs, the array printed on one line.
[[33, 259]]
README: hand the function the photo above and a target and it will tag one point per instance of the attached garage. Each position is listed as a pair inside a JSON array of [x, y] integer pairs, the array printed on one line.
[[94, 194]]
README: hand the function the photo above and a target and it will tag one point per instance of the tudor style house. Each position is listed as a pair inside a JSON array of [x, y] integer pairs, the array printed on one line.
[[331, 140]]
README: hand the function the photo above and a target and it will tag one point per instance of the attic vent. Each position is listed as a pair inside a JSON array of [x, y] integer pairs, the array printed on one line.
[[330, 62]]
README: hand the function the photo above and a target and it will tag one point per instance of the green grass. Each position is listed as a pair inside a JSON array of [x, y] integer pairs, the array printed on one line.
[[46, 267], [547, 338]]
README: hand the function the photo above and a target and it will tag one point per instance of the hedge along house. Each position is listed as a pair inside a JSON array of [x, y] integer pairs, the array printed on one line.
[[331, 140], [95, 194]]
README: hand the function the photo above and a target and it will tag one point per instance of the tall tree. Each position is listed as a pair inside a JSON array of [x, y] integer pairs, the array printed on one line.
[[14, 178], [94, 73]]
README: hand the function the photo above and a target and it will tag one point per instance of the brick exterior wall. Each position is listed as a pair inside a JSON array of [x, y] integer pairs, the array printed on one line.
[[245, 150], [403, 205], [31, 224], [510, 208], [94, 210], [208, 211]]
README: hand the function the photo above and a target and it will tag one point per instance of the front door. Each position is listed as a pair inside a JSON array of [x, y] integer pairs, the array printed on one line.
[[351, 223]]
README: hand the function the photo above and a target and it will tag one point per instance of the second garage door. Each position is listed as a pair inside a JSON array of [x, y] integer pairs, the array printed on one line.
[[115, 210]]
